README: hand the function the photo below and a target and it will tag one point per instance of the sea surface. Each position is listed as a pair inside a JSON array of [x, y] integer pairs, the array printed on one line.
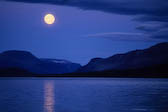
[[83, 95]]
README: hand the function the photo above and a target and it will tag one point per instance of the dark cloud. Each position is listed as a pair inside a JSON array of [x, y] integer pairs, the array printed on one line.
[[142, 10], [151, 26], [147, 18], [160, 34], [129, 7]]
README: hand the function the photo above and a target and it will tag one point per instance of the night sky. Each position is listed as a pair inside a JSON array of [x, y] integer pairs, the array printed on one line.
[[84, 29]]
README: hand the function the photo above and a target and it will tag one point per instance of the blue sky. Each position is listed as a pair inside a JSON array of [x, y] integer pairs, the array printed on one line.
[[81, 31]]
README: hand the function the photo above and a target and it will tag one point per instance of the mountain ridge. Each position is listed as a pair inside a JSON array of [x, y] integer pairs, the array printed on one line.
[[27, 61], [136, 59]]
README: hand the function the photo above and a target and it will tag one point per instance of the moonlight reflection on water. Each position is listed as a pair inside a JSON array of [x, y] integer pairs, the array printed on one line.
[[49, 96]]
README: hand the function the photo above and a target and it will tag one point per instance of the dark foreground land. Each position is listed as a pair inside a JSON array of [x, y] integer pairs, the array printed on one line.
[[159, 71]]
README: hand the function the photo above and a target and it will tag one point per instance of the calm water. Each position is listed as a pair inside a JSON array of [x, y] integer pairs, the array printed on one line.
[[83, 95]]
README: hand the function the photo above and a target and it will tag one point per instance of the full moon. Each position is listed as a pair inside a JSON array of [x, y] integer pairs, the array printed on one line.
[[49, 19]]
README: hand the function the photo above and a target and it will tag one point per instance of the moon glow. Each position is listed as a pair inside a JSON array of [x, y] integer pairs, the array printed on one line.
[[49, 19]]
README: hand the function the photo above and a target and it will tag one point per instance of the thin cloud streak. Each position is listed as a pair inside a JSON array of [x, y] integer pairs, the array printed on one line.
[[123, 36]]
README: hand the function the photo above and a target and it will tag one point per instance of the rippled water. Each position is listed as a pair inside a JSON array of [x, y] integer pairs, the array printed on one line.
[[83, 95]]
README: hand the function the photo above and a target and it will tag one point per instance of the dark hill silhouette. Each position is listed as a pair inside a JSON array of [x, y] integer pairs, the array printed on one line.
[[138, 59], [25, 61], [15, 72]]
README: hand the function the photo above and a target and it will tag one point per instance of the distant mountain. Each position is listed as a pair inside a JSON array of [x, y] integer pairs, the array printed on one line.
[[135, 60], [27, 62]]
